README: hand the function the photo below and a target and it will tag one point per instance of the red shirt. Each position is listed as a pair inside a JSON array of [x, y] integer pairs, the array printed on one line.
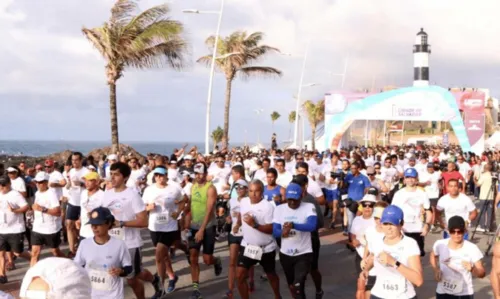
[[447, 176]]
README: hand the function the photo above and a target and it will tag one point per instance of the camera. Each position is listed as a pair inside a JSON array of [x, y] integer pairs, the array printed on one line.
[[337, 175]]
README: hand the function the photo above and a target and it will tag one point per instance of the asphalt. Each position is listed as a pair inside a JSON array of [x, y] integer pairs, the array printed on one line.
[[336, 265]]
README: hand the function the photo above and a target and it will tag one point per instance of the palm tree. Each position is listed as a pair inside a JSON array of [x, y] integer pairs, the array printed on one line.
[[315, 113], [238, 52], [291, 119], [217, 135], [274, 117], [132, 39]]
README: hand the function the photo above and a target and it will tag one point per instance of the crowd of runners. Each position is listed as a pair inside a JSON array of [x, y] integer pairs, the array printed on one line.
[[269, 207]]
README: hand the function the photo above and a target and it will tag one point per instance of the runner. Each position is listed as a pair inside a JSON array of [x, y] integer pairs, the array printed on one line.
[[91, 198], [106, 259], [413, 200], [77, 185], [129, 211], [454, 261], [330, 191], [202, 232], [235, 238], [359, 225], [284, 177], [258, 245], [455, 204], [396, 260], [12, 227], [47, 224], [272, 191], [161, 201], [312, 187], [430, 180]]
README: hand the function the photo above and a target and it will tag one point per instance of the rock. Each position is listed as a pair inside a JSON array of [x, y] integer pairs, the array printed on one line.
[[124, 149]]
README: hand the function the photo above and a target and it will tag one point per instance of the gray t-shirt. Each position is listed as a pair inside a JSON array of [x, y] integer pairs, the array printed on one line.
[[310, 199]]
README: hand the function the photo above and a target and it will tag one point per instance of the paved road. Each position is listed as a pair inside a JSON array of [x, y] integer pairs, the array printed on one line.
[[336, 265]]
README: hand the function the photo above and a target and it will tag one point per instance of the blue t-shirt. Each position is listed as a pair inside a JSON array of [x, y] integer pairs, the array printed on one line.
[[357, 186], [268, 194]]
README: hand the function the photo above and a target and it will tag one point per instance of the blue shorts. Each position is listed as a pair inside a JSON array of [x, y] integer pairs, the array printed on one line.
[[330, 195], [446, 236]]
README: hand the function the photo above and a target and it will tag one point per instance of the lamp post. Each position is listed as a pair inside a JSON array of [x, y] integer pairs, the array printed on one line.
[[212, 70]]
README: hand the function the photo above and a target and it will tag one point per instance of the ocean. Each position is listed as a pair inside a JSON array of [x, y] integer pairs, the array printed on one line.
[[43, 148]]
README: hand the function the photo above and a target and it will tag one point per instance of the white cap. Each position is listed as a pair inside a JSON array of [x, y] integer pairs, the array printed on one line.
[[369, 198], [112, 157], [64, 277], [91, 167], [237, 163], [188, 157], [41, 176], [199, 168], [241, 182], [11, 169]]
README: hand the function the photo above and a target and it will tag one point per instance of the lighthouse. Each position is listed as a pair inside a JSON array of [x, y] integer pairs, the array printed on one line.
[[421, 52]]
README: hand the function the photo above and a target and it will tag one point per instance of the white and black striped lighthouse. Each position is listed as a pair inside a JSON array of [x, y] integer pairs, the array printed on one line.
[[421, 52]]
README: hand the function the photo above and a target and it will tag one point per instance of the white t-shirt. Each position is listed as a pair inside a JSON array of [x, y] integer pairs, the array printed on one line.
[[261, 175], [220, 178], [263, 214], [314, 189], [44, 223], [284, 179], [326, 172], [87, 205], [412, 204], [358, 228], [390, 283], [298, 242], [371, 237], [290, 166], [18, 184], [135, 175], [160, 219], [234, 210], [464, 169], [97, 260], [461, 206], [75, 190], [432, 190], [456, 280], [125, 206], [389, 175], [11, 223], [55, 177]]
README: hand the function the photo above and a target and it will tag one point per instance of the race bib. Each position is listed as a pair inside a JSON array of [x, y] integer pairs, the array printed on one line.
[[162, 218], [100, 280], [253, 252], [118, 233], [452, 286], [393, 287], [343, 197]]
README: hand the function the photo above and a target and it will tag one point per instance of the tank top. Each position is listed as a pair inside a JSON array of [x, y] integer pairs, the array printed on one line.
[[199, 205], [269, 194]]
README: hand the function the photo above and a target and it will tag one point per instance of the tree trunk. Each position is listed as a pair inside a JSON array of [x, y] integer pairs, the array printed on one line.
[[226, 113], [313, 137], [113, 118]]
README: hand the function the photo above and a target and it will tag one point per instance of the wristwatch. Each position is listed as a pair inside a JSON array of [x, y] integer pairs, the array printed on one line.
[[122, 224], [397, 264], [255, 225], [44, 210]]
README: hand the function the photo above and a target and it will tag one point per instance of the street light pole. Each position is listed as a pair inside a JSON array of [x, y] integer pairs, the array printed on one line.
[[297, 107]]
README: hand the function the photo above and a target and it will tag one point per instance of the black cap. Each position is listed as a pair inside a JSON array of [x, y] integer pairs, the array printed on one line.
[[4, 180], [372, 191], [456, 222], [300, 180], [100, 216]]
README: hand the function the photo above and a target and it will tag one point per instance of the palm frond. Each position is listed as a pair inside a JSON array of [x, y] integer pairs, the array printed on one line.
[[155, 33], [169, 53], [148, 17], [121, 12], [315, 112], [96, 39], [258, 71]]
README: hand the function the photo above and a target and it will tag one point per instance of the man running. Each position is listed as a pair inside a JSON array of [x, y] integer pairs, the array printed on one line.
[[202, 232], [91, 198], [258, 245], [130, 213], [272, 191]]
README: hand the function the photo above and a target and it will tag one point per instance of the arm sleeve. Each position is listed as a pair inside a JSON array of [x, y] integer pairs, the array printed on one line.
[[277, 230], [435, 249], [427, 202], [476, 254], [315, 190], [269, 216], [20, 201], [470, 205], [54, 201], [79, 258], [308, 226], [439, 205], [137, 204]]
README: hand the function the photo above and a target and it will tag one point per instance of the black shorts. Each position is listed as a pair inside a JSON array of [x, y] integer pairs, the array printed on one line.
[[208, 241], [316, 245], [370, 283], [267, 261], [449, 296], [233, 240], [296, 267], [51, 240], [72, 212], [420, 241], [136, 259], [166, 238], [12, 242]]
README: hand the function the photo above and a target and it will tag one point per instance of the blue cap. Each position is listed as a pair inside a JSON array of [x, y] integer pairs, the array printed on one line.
[[393, 215], [293, 191], [160, 170], [411, 173], [100, 216], [430, 165]]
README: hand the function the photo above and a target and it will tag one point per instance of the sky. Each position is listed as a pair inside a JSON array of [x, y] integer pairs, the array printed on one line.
[[53, 85]]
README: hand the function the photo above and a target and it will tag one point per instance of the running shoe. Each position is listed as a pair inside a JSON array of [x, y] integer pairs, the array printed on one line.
[[228, 295], [217, 266], [157, 283], [160, 294], [171, 284], [196, 295]]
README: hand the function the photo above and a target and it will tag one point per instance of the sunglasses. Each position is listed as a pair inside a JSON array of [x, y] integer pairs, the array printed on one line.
[[367, 205], [457, 232], [370, 174]]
